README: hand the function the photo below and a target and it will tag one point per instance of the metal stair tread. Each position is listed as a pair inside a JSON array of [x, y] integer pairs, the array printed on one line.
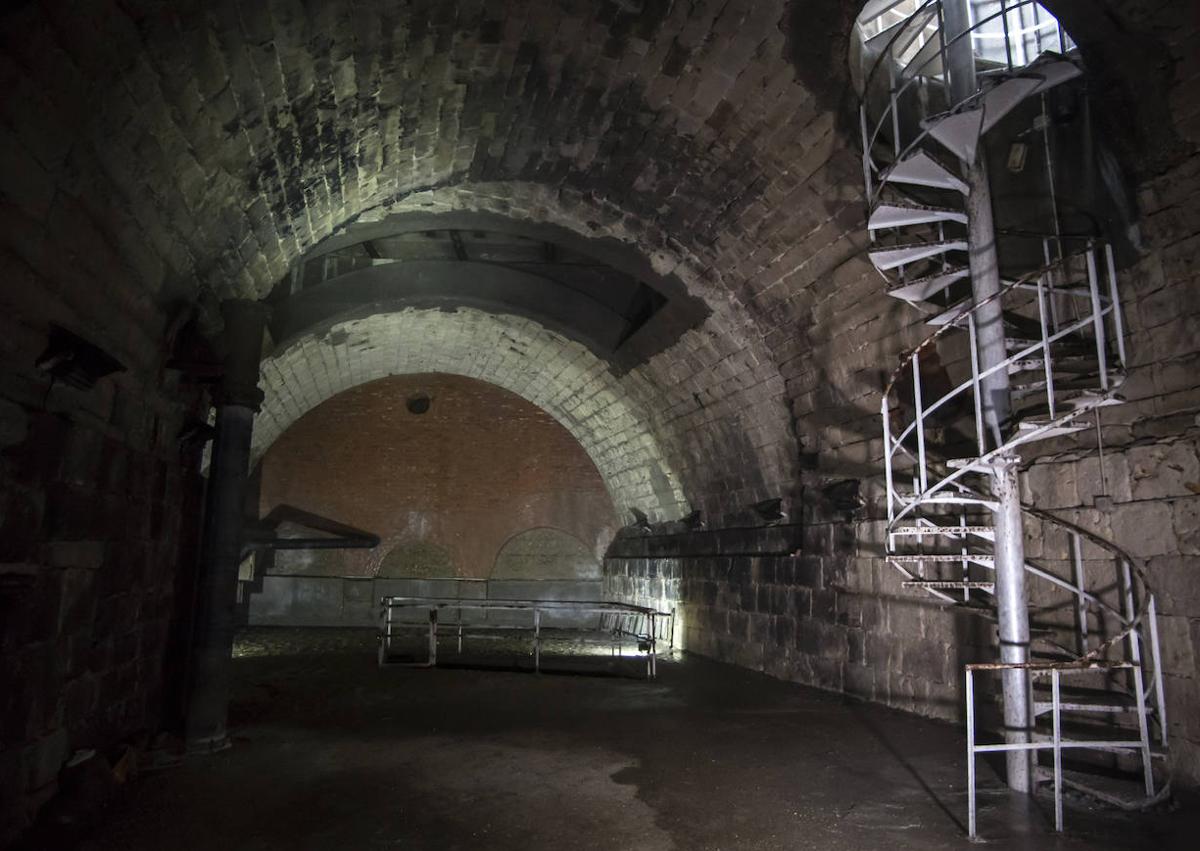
[[949, 584], [892, 256], [919, 289], [921, 169], [981, 558], [893, 214], [945, 499], [956, 531], [1121, 792], [1065, 364]]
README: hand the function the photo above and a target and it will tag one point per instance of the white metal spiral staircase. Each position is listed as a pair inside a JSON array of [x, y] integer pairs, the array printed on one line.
[[925, 129]]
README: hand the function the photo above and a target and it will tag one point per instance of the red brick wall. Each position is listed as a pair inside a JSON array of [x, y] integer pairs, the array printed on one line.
[[479, 467]]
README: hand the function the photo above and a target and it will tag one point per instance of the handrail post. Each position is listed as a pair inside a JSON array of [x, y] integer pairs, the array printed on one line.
[[1160, 699], [1041, 293], [862, 118], [887, 460], [1080, 590], [1118, 319], [1097, 317], [537, 640], [976, 386], [433, 622], [970, 753], [918, 403], [1007, 36], [1058, 804], [895, 107]]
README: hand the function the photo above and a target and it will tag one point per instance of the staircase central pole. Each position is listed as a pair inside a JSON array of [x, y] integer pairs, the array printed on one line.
[[995, 400], [1013, 615]]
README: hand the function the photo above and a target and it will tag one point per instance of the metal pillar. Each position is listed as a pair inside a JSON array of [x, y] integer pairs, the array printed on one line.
[[985, 284], [1013, 615], [237, 399], [981, 228]]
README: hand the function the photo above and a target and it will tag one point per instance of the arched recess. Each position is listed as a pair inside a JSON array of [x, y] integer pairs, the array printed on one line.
[[560, 376], [417, 560], [545, 553]]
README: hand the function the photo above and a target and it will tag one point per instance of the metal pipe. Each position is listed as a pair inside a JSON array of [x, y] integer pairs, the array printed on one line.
[[1013, 616]]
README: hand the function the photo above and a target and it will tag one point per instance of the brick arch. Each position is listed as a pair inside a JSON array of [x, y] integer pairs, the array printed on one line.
[[545, 552], [607, 416]]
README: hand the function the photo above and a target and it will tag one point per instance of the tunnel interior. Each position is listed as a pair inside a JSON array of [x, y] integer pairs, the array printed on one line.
[[697, 347]]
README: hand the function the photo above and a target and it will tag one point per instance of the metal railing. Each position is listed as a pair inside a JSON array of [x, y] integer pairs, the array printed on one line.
[[1056, 743], [614, 624], [1101, 317]]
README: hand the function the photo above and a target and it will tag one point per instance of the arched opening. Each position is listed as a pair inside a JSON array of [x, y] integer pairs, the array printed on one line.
[[482, 486]]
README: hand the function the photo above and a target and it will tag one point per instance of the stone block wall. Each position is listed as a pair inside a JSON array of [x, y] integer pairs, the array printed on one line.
[[97, 507]]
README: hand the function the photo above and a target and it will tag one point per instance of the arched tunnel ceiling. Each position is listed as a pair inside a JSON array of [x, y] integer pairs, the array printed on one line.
[[608, 417], [157, 147], [233, 136]]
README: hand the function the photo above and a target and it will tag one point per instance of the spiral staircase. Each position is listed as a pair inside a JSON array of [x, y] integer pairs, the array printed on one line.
[[942, 83]]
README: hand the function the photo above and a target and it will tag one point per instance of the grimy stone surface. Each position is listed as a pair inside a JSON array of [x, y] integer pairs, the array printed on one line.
[[154, 155], [706, 757]]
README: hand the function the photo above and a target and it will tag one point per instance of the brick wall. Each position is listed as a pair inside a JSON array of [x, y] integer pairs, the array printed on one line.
[[481, 466]]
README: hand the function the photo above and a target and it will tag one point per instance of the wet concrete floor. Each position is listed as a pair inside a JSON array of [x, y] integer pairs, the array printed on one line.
[[332, 753]]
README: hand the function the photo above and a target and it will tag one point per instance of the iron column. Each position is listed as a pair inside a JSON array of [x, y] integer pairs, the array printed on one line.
[[1013, 616], [237, 399], [996, 404]]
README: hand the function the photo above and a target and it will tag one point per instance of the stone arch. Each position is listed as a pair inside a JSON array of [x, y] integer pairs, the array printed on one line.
[[560, 376], [545, 553]]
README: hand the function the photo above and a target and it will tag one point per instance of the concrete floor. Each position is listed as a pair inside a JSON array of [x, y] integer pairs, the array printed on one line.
[[332, 753]]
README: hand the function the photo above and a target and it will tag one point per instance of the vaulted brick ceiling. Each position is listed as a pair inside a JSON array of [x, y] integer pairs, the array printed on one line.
[[159, 147]]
